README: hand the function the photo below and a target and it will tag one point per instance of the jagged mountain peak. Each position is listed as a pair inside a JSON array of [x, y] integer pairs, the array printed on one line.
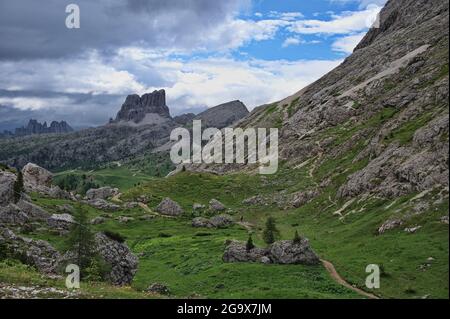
[[136, 108]]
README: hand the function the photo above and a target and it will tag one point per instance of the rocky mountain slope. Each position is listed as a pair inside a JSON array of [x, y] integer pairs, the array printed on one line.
[[387, 102], [143, 124]]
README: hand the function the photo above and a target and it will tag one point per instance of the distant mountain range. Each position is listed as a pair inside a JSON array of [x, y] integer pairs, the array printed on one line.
[[142, 125], [35, 127]]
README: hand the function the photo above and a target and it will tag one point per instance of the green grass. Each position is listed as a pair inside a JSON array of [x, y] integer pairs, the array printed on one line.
[[120, 177]]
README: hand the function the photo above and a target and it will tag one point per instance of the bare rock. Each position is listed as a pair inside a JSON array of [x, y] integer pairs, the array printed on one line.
[[390, 224], [61, 221], [101, 193], [37, 253], [158, 288], [103, 204], [216, 206], [122, 261], [36, 178], [201, 222], [288, 252], [236, 251], [12, 215], [98, 220], [7, 180], [169, 207], [34, 212], [221, 221]]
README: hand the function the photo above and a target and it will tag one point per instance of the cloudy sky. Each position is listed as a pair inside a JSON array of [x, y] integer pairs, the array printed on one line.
[[203, 52]]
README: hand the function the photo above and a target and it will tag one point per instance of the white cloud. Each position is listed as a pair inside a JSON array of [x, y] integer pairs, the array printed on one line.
[[348, 43], [363, 4], [291, 41], [190, 84], [344, 23]]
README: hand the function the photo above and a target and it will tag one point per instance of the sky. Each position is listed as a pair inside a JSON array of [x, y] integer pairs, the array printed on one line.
[[202, 52]]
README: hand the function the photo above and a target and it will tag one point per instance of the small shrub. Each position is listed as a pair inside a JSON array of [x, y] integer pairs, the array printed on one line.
[[164, 235], [270, 232]]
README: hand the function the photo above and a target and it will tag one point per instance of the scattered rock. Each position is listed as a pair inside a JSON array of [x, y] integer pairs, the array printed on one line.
[[101, 193], [444, 220], [131, 205], [221, 221], [124, 219], [98, 220], [412, 230], [158, 288], [103, 204], [390, 224], [198, 207], [216, 206], [65, 209], [201, 222], [169, 207], [61, 221], [301, 198]]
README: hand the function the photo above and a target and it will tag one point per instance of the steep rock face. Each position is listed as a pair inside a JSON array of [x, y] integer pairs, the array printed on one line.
[[36, 178], [136, 107], [223, 115]]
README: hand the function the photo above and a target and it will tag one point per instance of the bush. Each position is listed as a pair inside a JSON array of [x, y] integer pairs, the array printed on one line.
[[114, 236]]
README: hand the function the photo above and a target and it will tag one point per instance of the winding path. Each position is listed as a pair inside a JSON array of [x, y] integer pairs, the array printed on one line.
[[334, 274]]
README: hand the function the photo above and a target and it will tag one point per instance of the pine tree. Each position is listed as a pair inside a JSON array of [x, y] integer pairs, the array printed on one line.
[[18, 187], [270, 232], [297, 239], [81, 242], [249, 246]]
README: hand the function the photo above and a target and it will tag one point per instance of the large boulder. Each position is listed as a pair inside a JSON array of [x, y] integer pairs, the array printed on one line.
[[123, 263], [281, 252], [237, 251], [101, 193], [216, 206], [289, 252], [37, 253], [102, 204], [61, 221], [219, 221], [36, 178], [7, 180], [169, 207]]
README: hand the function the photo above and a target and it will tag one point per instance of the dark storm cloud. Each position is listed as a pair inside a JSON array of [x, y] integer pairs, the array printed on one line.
[[84, 110], [36, 29]]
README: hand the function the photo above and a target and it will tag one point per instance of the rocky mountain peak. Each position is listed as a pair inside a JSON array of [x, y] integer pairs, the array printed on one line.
[[35, 127], [223, 115], [135, 108]]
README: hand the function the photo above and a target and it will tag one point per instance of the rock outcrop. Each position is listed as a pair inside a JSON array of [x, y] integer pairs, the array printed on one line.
[[37, 253], [122, 261], [101, 193], [216, 206], [281, 252], [7, 180], [136, 107]]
